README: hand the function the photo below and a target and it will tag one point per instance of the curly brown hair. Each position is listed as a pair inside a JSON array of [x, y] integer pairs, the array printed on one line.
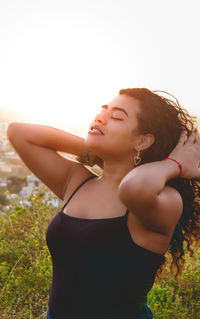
[[166, 119]]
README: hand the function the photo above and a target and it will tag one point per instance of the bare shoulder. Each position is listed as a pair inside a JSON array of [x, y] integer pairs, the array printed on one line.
[[170, 207], [154, 229], [79, 173], [163, 215]]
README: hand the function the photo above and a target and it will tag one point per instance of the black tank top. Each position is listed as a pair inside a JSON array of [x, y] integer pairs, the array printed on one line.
[[99, 272]]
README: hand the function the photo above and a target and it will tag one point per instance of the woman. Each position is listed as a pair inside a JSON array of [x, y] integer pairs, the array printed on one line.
[[109, 240]]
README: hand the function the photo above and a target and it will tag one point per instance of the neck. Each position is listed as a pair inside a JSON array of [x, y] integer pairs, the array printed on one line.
[[114, 172]]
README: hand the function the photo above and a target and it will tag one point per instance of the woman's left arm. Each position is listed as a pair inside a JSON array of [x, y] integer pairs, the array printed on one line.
[[144, 192]]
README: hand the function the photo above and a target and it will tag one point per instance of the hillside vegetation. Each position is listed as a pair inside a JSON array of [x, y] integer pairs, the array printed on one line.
[[26, 270]]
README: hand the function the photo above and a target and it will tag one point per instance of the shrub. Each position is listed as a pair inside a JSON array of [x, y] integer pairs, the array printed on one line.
[[26, 270], [25, 264], [175, 300]]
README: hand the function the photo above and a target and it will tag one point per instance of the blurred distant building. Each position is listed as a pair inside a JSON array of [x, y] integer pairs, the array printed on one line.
[[3, 130], [6, 168], [5, 146], [12, 154], [11, 168], [3, 182], [33, 185], [2, 163]]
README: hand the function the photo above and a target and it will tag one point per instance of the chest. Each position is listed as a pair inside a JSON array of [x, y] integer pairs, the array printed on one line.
[[94, 204], [100, 204]]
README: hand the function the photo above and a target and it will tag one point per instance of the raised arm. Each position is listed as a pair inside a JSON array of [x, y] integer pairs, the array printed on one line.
[[144, 192], [37, 146]]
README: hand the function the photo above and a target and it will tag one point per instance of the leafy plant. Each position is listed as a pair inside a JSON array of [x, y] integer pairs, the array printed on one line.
[[26, 269], [25, 264]]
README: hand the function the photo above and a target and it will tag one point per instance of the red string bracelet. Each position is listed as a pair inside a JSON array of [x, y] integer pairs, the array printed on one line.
[[179, 165]]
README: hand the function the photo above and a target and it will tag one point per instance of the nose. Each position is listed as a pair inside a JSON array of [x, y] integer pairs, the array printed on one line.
[[101, 117]]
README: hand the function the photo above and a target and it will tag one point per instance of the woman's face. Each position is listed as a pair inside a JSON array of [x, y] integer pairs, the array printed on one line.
[[117, 120]]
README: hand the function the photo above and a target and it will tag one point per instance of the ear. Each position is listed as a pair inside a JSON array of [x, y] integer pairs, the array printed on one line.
[[145, 141]]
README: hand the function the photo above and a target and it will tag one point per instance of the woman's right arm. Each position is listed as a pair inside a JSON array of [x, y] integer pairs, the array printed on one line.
[[37, 146]]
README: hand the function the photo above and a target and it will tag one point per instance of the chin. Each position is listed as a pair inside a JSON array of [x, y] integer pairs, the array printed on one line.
[[94, 144]]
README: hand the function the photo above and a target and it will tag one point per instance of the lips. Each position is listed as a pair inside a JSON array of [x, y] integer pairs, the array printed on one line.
[[96, 127]]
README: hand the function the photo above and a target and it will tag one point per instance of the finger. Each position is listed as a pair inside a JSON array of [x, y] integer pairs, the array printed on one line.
[[198, 141], [197, 136], [182, 138], [192, 138]]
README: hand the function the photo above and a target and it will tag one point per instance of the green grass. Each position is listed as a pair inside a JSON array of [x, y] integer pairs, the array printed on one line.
[[26, 270], [25, 264]]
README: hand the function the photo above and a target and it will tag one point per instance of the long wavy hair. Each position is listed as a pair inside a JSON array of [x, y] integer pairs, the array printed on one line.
[[166, 119]]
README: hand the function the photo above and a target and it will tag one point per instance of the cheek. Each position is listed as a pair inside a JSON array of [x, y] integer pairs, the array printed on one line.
[[123, 132], [121, 139], [115, 139]]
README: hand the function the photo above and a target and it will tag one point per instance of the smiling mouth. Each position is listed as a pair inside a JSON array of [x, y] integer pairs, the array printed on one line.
[[95, 132], [95, 129]]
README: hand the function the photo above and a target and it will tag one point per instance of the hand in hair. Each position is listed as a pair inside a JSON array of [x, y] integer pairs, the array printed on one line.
[[187, 153]]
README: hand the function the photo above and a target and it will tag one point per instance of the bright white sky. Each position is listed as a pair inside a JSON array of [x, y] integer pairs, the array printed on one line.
[[60, 60]]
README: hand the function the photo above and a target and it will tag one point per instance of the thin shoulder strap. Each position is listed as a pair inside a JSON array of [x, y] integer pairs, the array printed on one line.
[[126, 214], [78, 189]]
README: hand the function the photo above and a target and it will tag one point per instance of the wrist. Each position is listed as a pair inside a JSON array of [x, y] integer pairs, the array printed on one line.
[[174, 162]]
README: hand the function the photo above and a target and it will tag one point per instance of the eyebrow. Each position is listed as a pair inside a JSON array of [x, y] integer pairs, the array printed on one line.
[[115, 108]]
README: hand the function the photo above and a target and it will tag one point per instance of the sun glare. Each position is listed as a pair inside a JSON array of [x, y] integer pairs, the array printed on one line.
[[60, 63]]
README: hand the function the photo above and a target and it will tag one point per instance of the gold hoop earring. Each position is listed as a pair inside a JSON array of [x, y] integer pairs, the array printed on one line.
[[137, 158]]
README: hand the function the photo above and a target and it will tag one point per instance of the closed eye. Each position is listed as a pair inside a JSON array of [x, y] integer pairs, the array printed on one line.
[[114, 118]]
